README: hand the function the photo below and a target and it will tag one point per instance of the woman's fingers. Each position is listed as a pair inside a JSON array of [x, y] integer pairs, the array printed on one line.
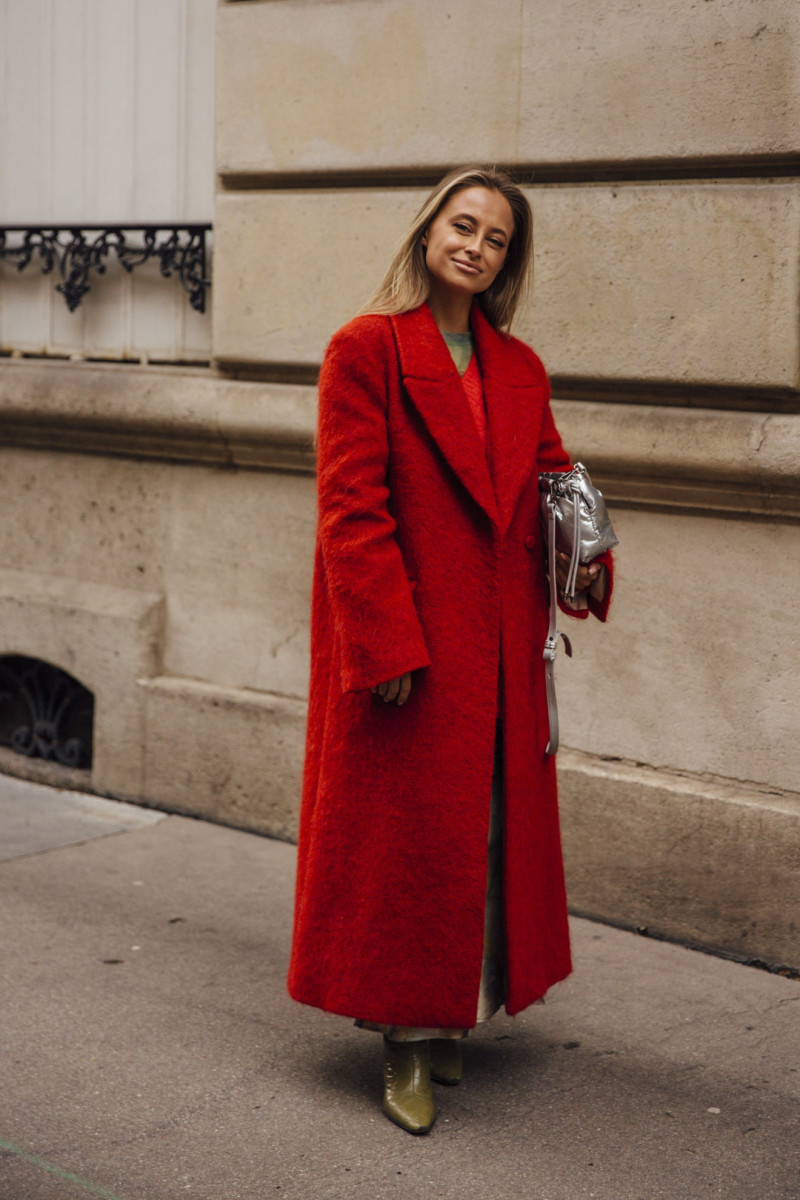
[[394, 690], [405, 688], [586, 574]]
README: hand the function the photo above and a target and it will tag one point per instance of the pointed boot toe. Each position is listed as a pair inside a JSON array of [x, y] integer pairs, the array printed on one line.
[[407, 1092], [446, 1064]]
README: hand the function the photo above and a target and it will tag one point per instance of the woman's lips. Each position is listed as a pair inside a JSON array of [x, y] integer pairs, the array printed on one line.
[[465, 266]]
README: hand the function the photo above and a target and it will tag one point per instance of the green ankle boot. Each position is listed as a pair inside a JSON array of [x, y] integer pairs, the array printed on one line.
[[407, 1092], [446, 1060]]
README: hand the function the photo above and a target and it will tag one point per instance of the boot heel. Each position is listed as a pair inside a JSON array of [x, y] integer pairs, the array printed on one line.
[[407, 1092], [446, 1064]]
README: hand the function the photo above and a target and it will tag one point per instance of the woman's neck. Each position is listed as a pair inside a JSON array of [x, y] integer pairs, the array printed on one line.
[[451, 313]]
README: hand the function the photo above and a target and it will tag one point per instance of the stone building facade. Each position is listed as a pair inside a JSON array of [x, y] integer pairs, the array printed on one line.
[[163, 507]]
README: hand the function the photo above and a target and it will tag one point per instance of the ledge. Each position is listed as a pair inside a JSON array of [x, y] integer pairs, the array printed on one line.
[[647, 456], [700, 459], [698, 168], [247, 776], [708, 862], [182, 414]]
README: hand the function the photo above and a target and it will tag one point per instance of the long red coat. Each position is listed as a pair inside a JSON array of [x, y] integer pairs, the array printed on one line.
[[424, 565]]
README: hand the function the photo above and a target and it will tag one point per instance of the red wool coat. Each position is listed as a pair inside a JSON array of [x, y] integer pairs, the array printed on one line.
[[424, 565]]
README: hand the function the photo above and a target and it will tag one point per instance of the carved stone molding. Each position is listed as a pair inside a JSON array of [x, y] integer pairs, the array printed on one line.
[[645, 456]]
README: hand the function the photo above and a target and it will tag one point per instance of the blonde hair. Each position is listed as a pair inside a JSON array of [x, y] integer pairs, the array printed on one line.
[[406, 284]]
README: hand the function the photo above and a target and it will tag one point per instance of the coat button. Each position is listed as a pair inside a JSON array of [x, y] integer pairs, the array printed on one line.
[[530, 542]]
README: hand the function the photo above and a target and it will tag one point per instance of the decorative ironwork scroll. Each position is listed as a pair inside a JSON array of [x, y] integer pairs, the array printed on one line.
[[44, 712], [77, 250]]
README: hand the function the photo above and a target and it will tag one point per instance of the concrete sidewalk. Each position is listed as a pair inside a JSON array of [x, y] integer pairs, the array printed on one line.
[[149, 1049]]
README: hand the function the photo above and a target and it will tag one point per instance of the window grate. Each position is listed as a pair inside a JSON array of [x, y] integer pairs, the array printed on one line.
[[44, 712], [79, 250]]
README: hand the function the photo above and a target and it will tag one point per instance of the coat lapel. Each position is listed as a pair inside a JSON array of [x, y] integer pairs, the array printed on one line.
[[433, 383], [514, 404]]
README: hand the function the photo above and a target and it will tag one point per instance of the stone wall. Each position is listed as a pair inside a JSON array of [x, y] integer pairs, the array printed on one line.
[[660, 153], [160, 553], [161, 548]]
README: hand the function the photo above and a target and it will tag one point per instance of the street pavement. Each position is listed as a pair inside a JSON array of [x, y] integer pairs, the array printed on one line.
[[149, 1050]]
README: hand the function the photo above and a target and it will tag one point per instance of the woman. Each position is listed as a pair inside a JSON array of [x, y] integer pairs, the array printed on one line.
[[430, 884]]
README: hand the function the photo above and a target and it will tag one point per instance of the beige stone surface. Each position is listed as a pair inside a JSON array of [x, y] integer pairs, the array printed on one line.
[[291, 267], [648, 79], [704, 861], [686, 283], [693, 283], [106, 637], [174, 413], [652, 455], [86, 517], [705, 459], [697, 667], [238, 578], [320, 85], [406, 83], [231, 549], [233, 756]]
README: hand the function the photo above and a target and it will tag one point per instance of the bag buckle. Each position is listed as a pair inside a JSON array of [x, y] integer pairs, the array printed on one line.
[[551, 646]]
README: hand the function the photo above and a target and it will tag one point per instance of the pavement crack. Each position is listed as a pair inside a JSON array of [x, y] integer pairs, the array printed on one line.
[[779, 1004]]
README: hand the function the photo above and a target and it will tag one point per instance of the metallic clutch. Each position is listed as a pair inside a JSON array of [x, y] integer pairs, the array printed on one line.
[[576, 521], [582, 525]]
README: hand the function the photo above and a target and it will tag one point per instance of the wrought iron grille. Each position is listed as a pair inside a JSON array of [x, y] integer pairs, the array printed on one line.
[[44, 712], [79, 250]]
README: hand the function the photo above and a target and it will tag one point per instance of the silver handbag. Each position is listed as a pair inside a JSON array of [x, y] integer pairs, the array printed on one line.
[[575, 521]]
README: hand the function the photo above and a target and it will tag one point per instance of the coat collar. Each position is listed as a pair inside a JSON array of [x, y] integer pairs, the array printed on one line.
[[513, 399]]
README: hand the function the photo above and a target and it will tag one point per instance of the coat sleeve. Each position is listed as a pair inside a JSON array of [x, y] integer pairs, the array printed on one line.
[[553, 457], [370, 594]]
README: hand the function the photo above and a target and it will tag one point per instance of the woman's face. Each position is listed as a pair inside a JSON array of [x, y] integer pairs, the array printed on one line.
[[467, 241]]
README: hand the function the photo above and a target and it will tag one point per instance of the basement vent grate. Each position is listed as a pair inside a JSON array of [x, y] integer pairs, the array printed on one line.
[[44, 712]]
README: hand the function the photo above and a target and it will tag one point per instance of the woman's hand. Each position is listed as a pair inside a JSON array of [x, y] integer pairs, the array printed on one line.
[[394, 691], [586, 574]]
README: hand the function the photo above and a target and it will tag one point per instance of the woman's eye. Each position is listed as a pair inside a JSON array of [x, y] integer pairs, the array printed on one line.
[[462, 227]]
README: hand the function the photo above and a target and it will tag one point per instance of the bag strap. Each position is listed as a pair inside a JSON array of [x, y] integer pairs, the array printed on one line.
[[572, 575], [551, 644]]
